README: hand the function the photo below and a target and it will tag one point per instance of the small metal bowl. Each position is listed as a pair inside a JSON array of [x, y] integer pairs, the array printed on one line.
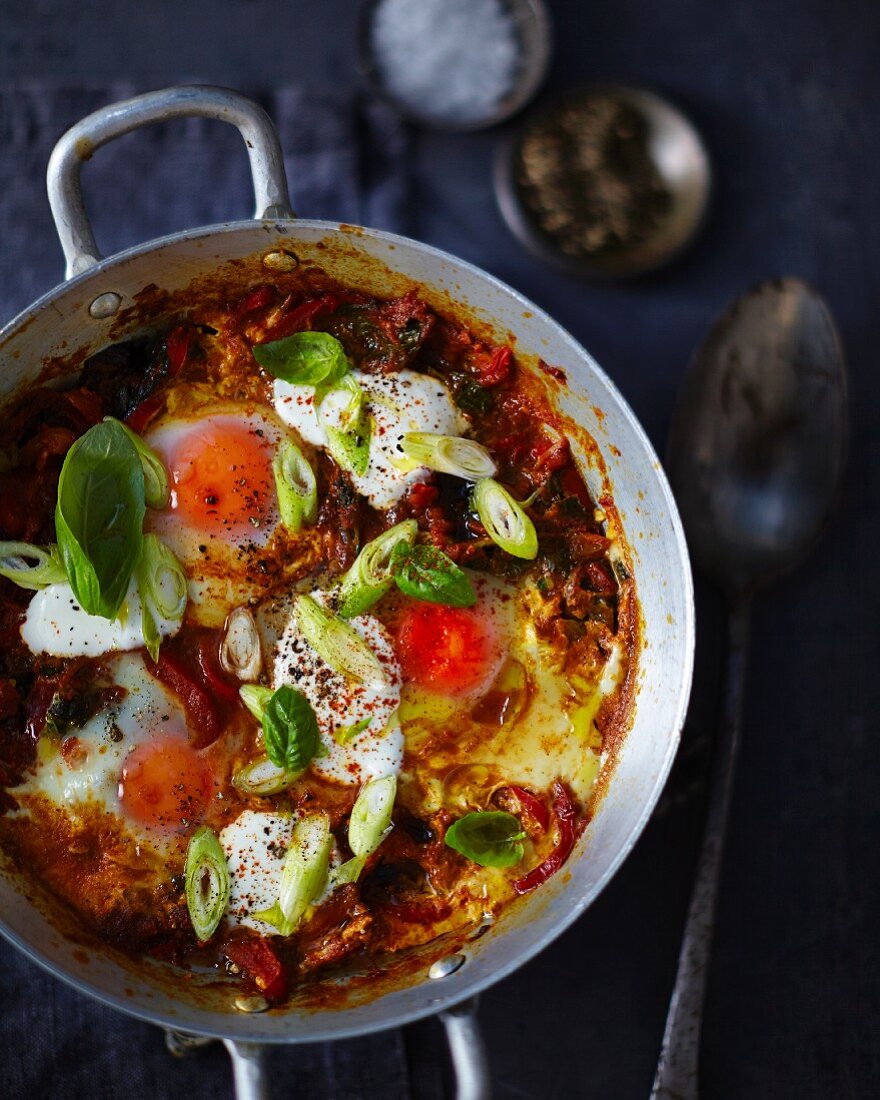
[[681, 162], [533, 30]]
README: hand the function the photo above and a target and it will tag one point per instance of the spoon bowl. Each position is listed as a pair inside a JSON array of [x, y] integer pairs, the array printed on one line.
[[758, 439]]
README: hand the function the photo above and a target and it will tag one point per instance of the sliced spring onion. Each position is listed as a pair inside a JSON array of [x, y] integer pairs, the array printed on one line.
[[506, 523], [296, 486], [339, 644], [163, 578], [162, 588], [262, 777], [240, 651], [157, 491], [304, 874], [344, 734], [255, 697], [348, 872], [449, 454], [343, 414], [15, 565], [370, 577], [371, 815], [207, 882]]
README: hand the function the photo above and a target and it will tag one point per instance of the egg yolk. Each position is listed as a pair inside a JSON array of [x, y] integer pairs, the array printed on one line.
[[222, 478], [165, 784], [449, 650]]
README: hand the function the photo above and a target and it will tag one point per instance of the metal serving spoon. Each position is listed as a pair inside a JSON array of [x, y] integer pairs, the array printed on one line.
[[755, 456]]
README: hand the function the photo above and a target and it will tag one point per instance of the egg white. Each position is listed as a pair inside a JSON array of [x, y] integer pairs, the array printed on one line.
[[256, 845], [219, 563], [337, 701], [398, 403], [56, 624], [91, 779]]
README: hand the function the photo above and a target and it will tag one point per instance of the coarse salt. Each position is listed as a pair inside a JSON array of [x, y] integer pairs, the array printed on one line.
[[446, 60]]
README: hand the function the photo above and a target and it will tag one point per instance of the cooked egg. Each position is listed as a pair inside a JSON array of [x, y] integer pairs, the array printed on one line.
[[398, 403], [56, 624], [360, 738], [132, 760], [224, 507], [256, 844]]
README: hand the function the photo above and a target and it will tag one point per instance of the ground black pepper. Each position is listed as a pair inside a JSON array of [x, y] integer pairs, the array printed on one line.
[[586, 175]]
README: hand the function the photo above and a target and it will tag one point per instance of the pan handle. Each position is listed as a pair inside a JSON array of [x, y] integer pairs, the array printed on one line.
[[81, 141], [248, 1069], [466, 1049]]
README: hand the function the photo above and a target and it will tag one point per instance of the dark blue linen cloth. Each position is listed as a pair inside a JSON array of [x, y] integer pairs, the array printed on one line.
[[345, 158]]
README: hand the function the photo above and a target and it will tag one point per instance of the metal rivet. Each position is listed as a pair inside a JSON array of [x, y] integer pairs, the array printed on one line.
[[251, 1004], [442, 968], [105, 305], [280, 260]]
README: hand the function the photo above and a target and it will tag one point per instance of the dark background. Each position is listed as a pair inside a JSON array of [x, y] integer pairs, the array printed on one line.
[[785, 94]]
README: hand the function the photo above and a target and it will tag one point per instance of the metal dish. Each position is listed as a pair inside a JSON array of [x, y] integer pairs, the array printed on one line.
[[681, 161], [534, 33], [96, 306]]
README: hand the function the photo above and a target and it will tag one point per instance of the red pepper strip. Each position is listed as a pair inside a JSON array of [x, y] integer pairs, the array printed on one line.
[[177, 346], [212, 674], [564, 811], [258, 298], [304, 316], [533, 806], [198, 703], [259, 961], [142, 414]]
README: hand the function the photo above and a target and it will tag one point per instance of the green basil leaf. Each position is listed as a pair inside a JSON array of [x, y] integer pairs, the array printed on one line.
[[305, 358], [427, 574], [157, 491], [290, 729], [99, 517], [491, 839]]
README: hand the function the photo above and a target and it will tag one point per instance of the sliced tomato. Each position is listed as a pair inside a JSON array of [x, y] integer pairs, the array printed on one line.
[[450, 650], [257, 958], [172, 672], [257, 298]]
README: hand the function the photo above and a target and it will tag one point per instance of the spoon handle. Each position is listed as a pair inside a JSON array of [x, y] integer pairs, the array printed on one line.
[[678, 1067]]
